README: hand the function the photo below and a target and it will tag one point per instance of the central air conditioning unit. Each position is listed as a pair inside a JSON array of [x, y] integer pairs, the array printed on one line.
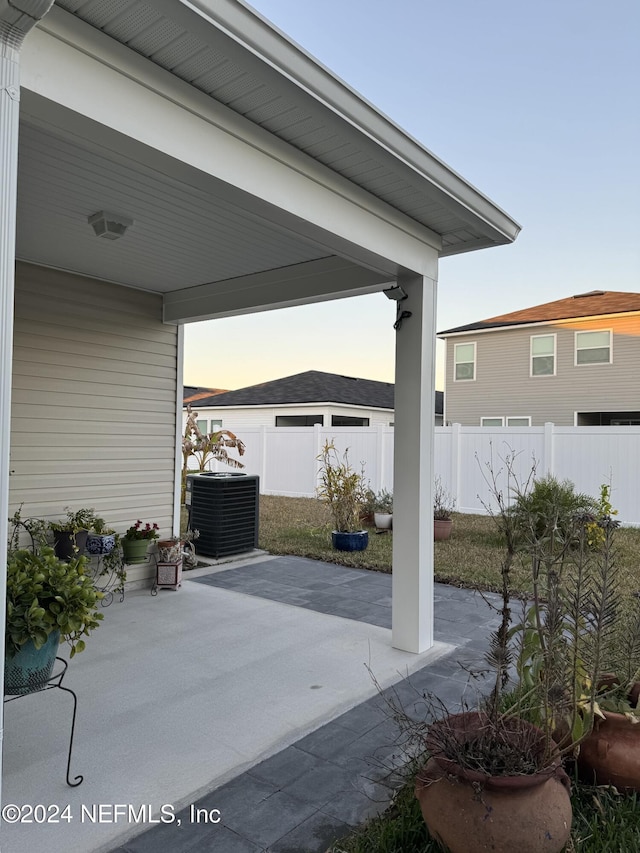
[[224, 508]]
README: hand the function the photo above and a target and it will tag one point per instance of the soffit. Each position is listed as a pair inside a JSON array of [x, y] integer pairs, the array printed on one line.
[[232, 68]]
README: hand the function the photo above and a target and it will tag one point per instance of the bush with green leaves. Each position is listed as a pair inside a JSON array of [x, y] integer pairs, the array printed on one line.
[[45, 594], [548, 510]]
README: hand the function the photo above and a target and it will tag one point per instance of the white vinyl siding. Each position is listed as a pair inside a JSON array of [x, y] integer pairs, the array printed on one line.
[[593, 347], [464, 358], [543, 355], [93, 400]]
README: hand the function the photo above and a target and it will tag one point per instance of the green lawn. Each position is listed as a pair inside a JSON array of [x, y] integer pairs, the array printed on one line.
[[471, 558]]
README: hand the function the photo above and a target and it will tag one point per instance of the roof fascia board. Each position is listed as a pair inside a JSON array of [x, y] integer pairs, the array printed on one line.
[[567, 321], [314, 405], [246, 141], [270, 45]]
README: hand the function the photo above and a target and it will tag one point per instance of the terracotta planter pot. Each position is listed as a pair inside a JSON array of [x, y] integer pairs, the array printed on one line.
[[442, 529], [610, 755], [472, 812]]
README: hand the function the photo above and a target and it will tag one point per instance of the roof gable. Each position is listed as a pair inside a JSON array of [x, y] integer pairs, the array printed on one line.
[[594, 303]]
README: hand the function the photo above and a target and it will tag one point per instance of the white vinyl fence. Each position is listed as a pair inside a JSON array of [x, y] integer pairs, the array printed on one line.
[[286, 459]]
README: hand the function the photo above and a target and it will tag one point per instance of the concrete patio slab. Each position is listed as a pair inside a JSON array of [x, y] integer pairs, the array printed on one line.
[[178, 694]]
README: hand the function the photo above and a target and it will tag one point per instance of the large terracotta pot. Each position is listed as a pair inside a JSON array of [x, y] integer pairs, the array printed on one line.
[[442, 529], [472, 812], [610, 754]]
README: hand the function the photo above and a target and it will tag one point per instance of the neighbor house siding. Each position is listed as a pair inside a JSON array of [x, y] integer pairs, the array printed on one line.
[[93, 400], [238, 418], [504, 387]]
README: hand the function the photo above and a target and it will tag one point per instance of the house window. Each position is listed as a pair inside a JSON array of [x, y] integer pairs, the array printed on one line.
[[202, 425], [345, 420], [543, 355], [464, 359], [593, 347], [215, 426], [299, 420], [518, 422], [491, 422]]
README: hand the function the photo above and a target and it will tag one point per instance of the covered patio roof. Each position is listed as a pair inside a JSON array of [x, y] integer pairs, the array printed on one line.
[[254, 177]]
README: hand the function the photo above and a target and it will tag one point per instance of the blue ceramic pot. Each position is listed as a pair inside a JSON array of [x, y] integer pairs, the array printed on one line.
[[29, 669], [357, 541], [100, 543]]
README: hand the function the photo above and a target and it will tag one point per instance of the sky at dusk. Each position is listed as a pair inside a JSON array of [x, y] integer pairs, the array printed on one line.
[[536, 104]]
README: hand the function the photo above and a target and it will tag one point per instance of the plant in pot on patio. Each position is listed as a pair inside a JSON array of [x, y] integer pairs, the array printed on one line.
[[70, 535], [47, 600], [383, 510], [344, 491], [443, 506], [101, 539], [135, 541], [494, 779]]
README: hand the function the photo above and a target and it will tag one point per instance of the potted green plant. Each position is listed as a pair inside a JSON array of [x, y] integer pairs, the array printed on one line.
[[136, 539], [383, 510], [494, 778], [443, 506], [344, 491], [101, 539], [47, 600], [70, 535]]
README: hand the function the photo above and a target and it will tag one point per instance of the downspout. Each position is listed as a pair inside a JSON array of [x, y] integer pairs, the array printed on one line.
[[17, 18]]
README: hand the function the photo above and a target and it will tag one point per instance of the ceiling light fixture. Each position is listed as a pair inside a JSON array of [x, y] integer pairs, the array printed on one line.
[[111, 226]]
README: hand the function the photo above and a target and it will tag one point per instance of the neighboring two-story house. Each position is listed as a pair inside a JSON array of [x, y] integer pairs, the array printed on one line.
[[573, 362]]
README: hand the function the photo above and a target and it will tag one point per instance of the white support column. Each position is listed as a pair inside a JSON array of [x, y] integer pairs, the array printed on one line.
[[16, 19], [412, 590]]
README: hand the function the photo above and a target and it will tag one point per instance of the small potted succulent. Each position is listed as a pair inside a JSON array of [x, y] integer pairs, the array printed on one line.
[[343, 489], [443, 506], [101, 539], [136, 539]]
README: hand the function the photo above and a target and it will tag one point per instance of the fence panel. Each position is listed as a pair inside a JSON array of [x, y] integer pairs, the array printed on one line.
[[286, 459]]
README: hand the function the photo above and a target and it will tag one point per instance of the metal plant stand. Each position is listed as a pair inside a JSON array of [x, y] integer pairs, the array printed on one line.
[[55, 681]]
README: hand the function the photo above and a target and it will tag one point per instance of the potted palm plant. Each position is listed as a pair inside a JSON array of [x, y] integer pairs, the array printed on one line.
[[47, 600], [344, 491]]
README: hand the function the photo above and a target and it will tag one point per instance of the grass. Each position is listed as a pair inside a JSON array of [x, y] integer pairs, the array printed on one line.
[[470, 558], [602, 821]]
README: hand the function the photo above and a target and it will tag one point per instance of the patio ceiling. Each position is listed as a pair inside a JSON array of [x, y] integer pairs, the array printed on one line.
[[196, 236]]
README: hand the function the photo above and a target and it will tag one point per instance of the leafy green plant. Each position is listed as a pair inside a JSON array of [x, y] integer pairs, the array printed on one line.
[[80, 519], [383, 502], [139, 531], [45, 594], [341, 488], [546, 510]]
